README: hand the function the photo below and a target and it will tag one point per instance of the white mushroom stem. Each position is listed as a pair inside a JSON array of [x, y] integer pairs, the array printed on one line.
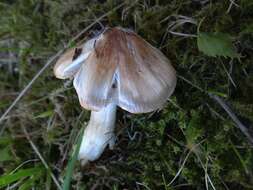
[[98, 134]]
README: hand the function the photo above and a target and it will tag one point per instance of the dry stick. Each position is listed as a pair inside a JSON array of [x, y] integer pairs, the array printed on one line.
[[229, 111], [28, 86], [41, 158]]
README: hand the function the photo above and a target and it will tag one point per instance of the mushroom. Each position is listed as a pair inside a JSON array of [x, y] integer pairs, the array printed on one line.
[[116, 68]]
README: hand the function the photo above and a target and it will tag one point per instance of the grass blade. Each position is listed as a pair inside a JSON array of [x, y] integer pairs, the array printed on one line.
[[10, 178], [71, 163]]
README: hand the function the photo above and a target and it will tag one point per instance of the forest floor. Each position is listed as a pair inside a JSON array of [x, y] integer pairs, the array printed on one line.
[[201, 139]]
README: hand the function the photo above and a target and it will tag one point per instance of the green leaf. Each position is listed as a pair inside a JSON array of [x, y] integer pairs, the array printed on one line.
[[216, 44], [12, 177], [30, 182]]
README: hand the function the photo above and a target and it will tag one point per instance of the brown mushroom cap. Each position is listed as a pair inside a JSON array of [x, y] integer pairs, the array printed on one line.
[[70, 62], [62, 63], [123, 68]]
